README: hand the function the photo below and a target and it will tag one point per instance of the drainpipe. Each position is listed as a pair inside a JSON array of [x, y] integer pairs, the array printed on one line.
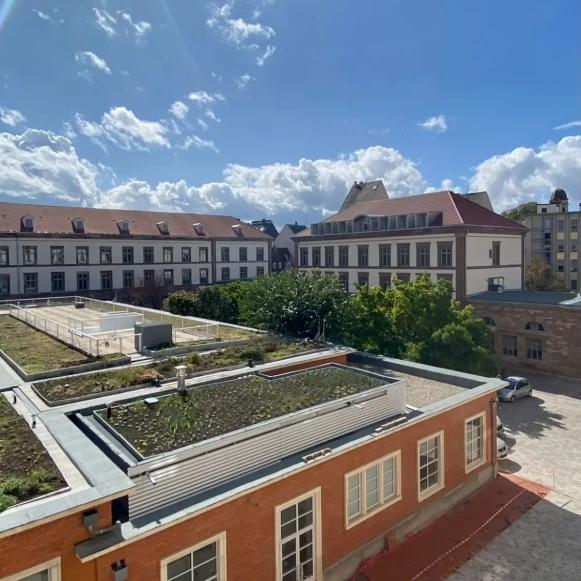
[[493, 450], [18, 262]]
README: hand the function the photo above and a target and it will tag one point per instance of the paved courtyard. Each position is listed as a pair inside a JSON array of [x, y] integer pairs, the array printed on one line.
[[544, 437]]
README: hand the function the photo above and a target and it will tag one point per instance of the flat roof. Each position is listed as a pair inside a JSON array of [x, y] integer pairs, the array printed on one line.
[[564, 299]]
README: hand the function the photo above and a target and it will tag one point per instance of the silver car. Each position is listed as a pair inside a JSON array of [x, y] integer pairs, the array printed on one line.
[[501, 449], [517, 387]]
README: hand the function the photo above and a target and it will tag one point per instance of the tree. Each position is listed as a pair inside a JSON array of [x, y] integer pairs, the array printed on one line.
[[294, 303], [148, 293], [518, 214], [539, 276]]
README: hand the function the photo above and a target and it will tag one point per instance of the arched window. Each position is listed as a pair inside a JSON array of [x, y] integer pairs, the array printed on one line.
[[489, 321], [534, 326]]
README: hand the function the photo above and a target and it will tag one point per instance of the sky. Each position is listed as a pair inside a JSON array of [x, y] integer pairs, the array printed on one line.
[[273, 108]]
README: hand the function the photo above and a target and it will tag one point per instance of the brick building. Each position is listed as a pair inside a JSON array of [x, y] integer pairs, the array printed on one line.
[[534, 330], [303, 495]]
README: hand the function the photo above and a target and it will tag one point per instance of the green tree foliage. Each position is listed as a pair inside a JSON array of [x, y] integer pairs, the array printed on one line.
[[517, 214], [294, 303], [539, 276]]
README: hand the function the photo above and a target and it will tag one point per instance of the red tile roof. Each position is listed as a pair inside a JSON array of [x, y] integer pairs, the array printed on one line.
[[59, 219], [456, 210]]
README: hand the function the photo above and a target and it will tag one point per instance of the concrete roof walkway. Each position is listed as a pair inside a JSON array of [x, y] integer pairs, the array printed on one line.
[[438, 551]]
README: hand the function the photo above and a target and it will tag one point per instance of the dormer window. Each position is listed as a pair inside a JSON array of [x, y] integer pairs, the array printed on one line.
[[123, 225], [28, 222], [163, 226], [79, 224], [237, 229], [199, 228]]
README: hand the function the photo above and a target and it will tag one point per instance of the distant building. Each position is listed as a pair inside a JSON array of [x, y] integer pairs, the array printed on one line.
[[480, 198], [365, 192], [284, 247], [554, 237], [265, 226]]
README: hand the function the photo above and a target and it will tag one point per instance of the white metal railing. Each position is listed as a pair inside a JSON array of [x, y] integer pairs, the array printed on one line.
[[196, 333], [46, 302]]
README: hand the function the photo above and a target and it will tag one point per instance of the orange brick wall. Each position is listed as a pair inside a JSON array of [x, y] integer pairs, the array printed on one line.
[[249, 520], [40, 544], [342, 359]]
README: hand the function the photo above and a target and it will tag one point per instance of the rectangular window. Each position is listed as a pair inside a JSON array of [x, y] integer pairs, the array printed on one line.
[[168, 277], [57, 255], [260, 271], [4, 256], [445, 276], [573, 284], [372, 488], [363, 279], [203, 276], [128, 279], [50, 571], [384, 280], [344, 280], [105, 254], [29, 255], [225, 254], [260, 254], [149, 277], [225, 274], [535, 349], [168, 255], [82, 281], [445, 254], [496, 254], [329, 256], [574, 265], [423, 254], [343, 256], [509, 345], [363, 256], [574, 246], [148, 255], [106, 280], [430, 465], [82, 254], [385, 255], [203, 254], [403, 276], [127, 255], [304, 257], [561, 225], [186, 254], [574, 224], [243, 254], [57, 282], [475, 442], [316, 252], [4, 284], [560, 266], [403, 255], [243, 272], [561, 247], [203, 562], [30, 283], [187, 276]]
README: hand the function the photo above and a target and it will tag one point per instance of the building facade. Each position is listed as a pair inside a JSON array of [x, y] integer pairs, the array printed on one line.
[[284, 246], [554, 238], [443, 234], [61, 250]]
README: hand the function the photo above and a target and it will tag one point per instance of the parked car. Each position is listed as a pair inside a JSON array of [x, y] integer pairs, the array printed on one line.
[[501, 449], [517, 387], [499, 427]]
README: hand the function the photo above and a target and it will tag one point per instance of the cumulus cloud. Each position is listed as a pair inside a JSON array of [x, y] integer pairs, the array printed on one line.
[[569, 125], [267, 54], [235, 30], [179, 110], [104, 21], [91, 59], [11, 117], [439, 124], [243, 81]]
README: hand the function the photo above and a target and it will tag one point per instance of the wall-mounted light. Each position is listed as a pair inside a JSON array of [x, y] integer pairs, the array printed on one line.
[[120, 570]]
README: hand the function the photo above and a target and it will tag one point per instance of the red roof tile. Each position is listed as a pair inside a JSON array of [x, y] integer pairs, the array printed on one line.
[[101, 221]]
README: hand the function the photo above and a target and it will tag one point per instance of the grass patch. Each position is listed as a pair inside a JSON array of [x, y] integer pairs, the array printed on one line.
[[26, 468], [97, 383], [208, 411]]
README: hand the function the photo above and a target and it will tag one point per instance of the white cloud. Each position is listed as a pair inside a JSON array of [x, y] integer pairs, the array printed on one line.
[[446, 184], [195, 141], [140, 28], [215, 76], [235, 30], [270, 50], [68, 131], [376, 131], [211, 115], [203, 98], [43, 16], [179, 110], [11, 117], [243, 81], [203, 124], [255, 14], [568, 125], [439, 124], [91, 59], [105, 21]]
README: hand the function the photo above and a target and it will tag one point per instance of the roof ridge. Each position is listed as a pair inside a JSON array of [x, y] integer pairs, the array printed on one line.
[[453, 200]]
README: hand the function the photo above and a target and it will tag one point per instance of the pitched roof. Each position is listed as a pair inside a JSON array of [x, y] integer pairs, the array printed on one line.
[[265, 226], [565, 299], [480, 198], [58, 219], [365, 192], [455, 210], [296, 228]]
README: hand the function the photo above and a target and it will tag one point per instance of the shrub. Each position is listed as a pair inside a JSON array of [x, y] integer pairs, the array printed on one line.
[[13, 486], [149, 375], [194, 359], [6, 501], [168, 365], [130, 376], [254, 352]]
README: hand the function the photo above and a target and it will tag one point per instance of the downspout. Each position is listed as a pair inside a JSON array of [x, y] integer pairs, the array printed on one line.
[[213, 260], [18, 263], [493, 432]]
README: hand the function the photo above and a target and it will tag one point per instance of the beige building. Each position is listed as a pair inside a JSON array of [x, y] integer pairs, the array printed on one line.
[[554, 237], [444, 234]]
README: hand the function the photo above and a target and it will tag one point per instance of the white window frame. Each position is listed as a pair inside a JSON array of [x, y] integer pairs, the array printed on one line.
[[219, 539], [318, 536], [482, 460], [53, 566], [364, 514], [436, 488]]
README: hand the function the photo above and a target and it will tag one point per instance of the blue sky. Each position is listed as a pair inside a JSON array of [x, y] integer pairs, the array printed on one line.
[[272, 108]]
